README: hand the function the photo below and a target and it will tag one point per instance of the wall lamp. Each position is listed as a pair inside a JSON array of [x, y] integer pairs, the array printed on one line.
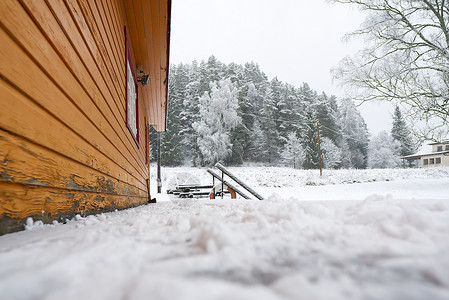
[[144, 79]]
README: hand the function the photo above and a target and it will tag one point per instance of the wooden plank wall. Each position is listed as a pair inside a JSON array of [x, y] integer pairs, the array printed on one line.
[[64, 145], [149, 22]]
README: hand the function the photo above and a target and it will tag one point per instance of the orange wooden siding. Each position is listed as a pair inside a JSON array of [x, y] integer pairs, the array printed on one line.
[[65, 148]]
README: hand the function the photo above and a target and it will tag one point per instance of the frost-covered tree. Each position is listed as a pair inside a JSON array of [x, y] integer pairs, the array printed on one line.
[[189, 113], [401, 133], [327, 110], [269, 110], [293, 153], [171, 140], [239, 143], [254, 139], [152, 138], [384, 152], [217, 117], [268, 116], [405, 60], [331, 153], [310, 140], [257, 150], [354, 136], [240, 134]]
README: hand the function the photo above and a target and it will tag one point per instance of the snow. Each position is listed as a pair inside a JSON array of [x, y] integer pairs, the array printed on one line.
[[350, 234]]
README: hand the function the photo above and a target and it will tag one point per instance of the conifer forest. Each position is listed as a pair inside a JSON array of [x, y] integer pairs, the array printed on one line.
[[234, 114]]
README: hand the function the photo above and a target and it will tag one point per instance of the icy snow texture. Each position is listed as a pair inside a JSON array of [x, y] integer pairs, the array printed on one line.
[[376, 248]]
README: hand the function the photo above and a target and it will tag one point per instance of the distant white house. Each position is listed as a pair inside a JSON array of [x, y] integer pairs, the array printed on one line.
[[438, 157]]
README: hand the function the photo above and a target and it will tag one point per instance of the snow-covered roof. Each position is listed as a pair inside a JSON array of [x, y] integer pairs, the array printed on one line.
[[418, 156], [442, 143]]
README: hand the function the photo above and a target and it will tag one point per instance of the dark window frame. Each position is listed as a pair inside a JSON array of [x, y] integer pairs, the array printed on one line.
[[426, 162], [447, 147], [439, 148], [129, 60], [438, 160], [431, 161]]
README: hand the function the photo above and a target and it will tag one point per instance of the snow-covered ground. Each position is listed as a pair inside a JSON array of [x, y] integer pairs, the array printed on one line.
[[372, 234]]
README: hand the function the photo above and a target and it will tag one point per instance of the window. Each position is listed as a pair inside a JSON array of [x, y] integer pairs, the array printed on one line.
[[431, 161], [447, 147], [132, 107], [438, 160], [426, 162], [439, 148]]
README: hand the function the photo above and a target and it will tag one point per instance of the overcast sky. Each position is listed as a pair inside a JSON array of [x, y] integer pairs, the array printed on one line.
[[296, 40]]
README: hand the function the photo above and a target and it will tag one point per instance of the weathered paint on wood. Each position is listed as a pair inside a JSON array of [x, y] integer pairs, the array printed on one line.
[[30, 164], [47, 204], [64, 145]]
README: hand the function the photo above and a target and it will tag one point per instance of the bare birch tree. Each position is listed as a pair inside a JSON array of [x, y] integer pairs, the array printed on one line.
[[405, 60]]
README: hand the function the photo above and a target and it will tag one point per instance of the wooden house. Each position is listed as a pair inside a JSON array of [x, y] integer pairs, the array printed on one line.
[[74, 112]]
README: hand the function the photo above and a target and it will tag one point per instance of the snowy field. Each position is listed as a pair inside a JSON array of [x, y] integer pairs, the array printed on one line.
[[367, 234]]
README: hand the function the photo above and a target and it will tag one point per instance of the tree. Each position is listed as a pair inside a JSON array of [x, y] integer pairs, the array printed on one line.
[[171, 152], [269, 110], [268, 117], [310, 140], [326, 108], [171, 139], [384, 152], [405, 60], [354, 136], [218, 116], [293, 153], [401, 133], [331, 153], [238, 139], [190, 112]]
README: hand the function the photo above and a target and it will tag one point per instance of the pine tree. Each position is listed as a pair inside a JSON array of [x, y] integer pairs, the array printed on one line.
[[239, 134], [190, 114], [326, 108], [247, 97], [215, 69], [354, 136], [257, 150], [269, 111], [268, 116], [401, 133], [171, 146], [238, 140], [293, 153], [152, 139], [310, 140]]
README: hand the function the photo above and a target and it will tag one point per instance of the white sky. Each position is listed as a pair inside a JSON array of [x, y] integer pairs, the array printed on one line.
[[296, 40]]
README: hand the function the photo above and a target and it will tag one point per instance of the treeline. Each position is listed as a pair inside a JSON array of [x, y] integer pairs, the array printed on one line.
[[233, 113]]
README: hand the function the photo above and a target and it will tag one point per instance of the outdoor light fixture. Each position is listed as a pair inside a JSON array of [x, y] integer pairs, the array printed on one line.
[[144, 79]]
